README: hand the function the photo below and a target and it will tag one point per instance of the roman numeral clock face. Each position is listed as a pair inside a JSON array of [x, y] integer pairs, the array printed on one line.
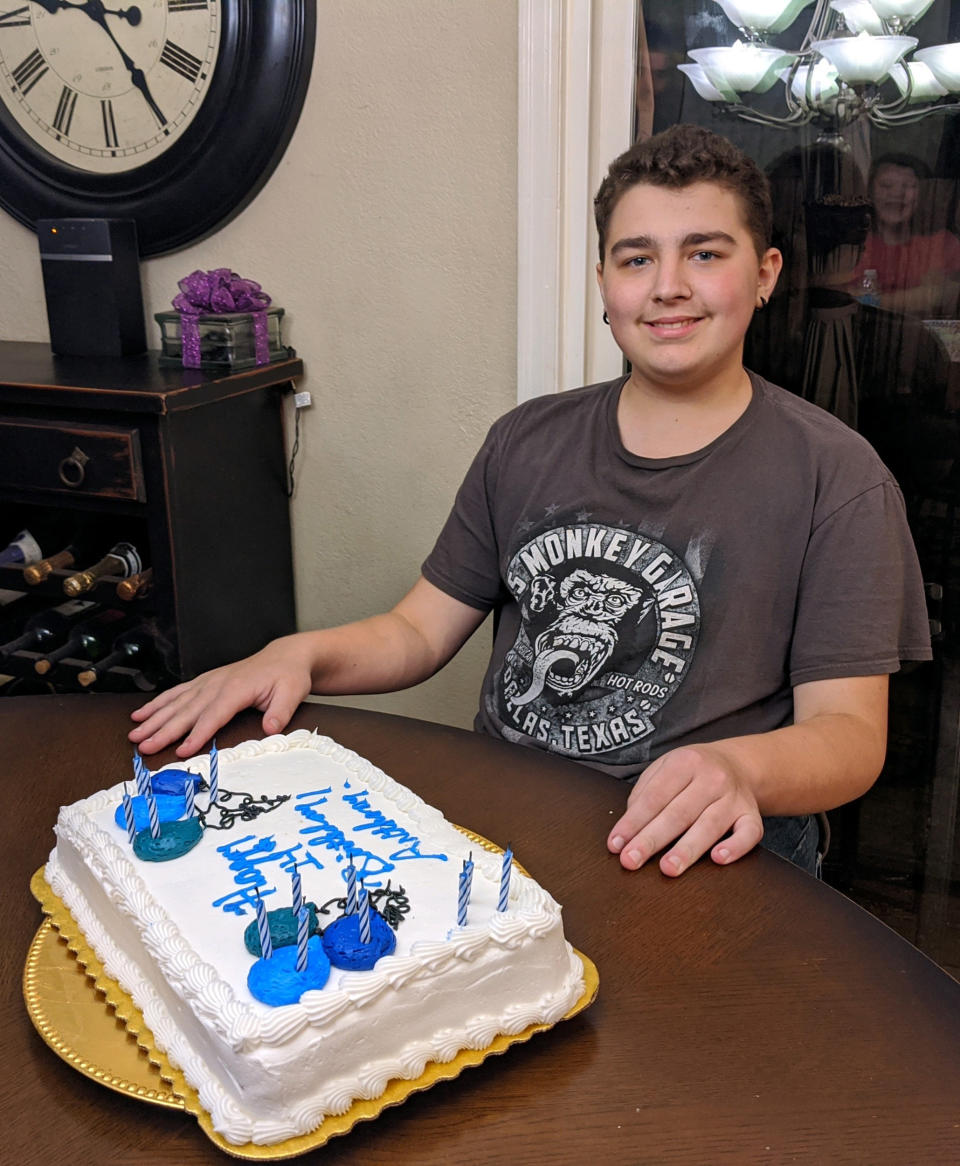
[[105, 86], [171, 112]]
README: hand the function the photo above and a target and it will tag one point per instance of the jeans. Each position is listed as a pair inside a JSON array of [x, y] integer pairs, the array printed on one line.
[[795, 839]]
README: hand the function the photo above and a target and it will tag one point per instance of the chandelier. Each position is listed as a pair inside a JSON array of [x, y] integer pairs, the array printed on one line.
[[851, 64]]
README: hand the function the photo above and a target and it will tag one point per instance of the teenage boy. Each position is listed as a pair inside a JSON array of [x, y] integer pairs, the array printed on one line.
[[702, 582]]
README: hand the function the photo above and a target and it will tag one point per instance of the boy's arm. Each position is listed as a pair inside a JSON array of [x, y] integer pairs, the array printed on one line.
[[694, 795], [380, 654]]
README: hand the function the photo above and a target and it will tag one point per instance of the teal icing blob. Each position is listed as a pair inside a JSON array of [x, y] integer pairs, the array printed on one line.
[[276, 981], [169, 808], [341, 942], [173, 781], [283, 928], [176, 838]]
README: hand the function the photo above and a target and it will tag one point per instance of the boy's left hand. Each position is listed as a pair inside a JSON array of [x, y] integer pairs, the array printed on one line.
[[691, 797]]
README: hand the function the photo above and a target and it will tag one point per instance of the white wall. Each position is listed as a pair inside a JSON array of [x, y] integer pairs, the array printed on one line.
[[388, 233]]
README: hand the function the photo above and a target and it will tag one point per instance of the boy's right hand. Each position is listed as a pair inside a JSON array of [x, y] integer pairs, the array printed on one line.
[[274, 680]]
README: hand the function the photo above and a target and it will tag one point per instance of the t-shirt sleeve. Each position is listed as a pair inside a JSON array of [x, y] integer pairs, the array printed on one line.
[[464, 562], [861, 607]]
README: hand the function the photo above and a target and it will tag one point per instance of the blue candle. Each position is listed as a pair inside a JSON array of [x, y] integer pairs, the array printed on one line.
[[190, 795], [141, 774], [128, 815], [464, 894], [297, 893], [505, 879], [263, 928], [153, 814], [468, 871], [214, 773], [303, 924], [351, 888], [364, 920]]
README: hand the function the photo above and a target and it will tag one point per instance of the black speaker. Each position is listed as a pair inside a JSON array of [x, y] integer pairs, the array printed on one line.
[[91, 278]]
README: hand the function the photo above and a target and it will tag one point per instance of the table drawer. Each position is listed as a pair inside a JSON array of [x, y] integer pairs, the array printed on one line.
[[56, 457]]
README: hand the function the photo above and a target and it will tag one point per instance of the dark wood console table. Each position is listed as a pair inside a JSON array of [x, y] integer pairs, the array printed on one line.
[[188, 465]]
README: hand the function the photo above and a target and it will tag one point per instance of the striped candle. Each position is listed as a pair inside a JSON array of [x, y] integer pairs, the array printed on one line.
[[505, 879], [462, 898], [363, 901], [154, 815], [297, 893], [351, 888], [214, 772], [128, 815], [263, 927], [141, 774], [468, 871], [190, 794], [303, 924]]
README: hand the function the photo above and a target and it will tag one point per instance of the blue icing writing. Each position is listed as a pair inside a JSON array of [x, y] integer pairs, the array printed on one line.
[[246, 863], [325, 833], [387, 829]]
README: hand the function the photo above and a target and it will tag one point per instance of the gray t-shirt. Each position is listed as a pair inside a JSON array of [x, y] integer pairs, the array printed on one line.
[[642, 604]]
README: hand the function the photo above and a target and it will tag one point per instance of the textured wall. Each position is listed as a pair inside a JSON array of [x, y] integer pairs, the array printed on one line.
[[388, 235]]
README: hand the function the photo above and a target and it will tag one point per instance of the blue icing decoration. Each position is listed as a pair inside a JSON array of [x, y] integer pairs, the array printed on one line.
[[276, 981], [341, 942], [283, 928], [173, 781], [176, 838], [168, 809]]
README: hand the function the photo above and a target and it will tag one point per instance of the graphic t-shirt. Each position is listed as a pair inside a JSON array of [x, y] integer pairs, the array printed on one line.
[[642, 604]]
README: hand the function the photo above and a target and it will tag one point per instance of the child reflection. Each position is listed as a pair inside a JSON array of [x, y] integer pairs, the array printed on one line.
[[916, 271]]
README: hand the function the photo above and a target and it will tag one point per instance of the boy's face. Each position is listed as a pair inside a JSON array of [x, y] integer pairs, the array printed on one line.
[[680, 282]]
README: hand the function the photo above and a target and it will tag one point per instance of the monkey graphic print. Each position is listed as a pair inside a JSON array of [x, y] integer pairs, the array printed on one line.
[[609, 622]]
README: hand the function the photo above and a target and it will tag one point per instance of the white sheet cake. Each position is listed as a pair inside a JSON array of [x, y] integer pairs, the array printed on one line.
[[172, 934]]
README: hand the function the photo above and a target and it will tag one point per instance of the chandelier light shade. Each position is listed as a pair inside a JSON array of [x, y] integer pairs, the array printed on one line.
[[943, 61], [864, 58], [851, 63], [744, 68]]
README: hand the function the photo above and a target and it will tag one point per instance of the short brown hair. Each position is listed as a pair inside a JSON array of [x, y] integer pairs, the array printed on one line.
[[679, 157]]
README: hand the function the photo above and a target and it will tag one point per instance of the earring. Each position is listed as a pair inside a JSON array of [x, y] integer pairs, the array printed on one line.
[[761, 305], [606, 318]]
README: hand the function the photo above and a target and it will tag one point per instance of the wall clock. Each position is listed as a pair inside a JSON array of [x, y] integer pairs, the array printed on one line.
[[170, 112]]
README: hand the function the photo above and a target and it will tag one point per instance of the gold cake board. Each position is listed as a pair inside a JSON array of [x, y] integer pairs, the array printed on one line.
[[90, 1021]]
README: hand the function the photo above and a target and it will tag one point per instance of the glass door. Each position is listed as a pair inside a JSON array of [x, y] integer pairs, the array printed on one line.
[[865, 323]]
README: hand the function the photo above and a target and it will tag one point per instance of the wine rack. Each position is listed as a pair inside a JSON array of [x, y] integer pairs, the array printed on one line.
[[187, 466]]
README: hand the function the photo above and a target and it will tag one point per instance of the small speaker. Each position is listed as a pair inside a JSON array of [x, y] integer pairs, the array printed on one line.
[[91, 278]]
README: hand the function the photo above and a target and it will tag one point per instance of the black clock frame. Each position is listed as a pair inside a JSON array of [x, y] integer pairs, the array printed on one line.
[[220, 162]]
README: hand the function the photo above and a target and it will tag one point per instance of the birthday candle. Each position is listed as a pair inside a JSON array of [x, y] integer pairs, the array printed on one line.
[[364, 921], [351, 888], [505, 879], [462, 900], [190, 794], [140, 774], [303, 923], [468, 871], [297, 893], [214, 772], [263, 927], [128, 814], [154, 815]]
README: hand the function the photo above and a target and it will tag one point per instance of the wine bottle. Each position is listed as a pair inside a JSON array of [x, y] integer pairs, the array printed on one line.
[[87, 641], [136, 586], [121, 560], [47, 627], [37, 572], [21, 549], [134, 650]]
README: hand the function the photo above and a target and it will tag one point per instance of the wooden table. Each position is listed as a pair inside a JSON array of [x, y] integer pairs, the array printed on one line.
[[746, 1014]]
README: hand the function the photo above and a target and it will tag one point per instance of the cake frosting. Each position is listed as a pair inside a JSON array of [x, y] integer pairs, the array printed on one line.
[[172, 934]]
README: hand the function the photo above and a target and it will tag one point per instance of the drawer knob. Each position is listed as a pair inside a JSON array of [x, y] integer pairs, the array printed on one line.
[[73, 468]]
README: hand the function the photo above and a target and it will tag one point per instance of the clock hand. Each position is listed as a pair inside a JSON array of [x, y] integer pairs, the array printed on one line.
[[131, 14], [98, 14]]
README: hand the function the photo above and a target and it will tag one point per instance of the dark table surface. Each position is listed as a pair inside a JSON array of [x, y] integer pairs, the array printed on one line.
[[745, 1014]]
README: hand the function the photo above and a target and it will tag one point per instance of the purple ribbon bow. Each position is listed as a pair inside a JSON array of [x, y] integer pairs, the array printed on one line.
[[217, 292]]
